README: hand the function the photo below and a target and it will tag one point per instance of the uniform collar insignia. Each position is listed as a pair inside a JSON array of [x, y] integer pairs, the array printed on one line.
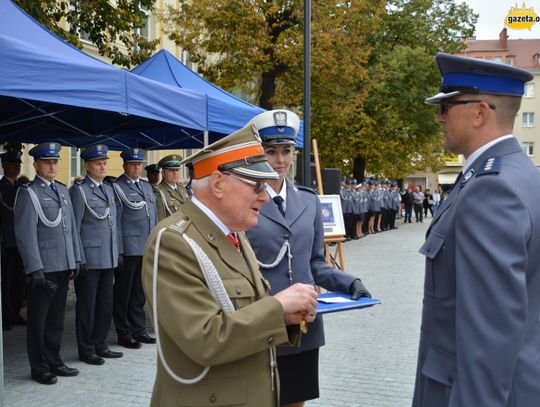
[[467, 176], [491, 165]]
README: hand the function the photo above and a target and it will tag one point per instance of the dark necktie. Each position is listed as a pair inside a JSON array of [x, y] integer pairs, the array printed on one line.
[[279, 202], [232, 238], [100, 186], [138, 185], [55, 190]]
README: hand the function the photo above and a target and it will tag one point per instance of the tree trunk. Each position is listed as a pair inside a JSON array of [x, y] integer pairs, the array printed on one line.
[[268, 89], [359, 169]]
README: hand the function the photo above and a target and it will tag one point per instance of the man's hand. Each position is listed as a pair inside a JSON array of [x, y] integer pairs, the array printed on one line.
[[38, 279], [358, 290], [299, 302], [80, 271]]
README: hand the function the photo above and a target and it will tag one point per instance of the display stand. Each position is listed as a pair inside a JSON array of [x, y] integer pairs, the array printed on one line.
[[335, 259]]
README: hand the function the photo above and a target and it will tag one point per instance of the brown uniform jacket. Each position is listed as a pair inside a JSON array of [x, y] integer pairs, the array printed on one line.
[[195, 332], [169, 200]]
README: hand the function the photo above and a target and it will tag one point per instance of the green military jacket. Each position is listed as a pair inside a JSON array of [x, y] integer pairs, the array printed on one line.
[[169, 200], [195, 332]]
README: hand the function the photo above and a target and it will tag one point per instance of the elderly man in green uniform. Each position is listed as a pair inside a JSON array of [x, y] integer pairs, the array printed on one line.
[[216, 327], [170, 192]]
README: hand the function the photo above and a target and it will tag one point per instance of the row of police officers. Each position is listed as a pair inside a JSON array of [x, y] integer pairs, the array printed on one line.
[[95, 233], [369, 207]]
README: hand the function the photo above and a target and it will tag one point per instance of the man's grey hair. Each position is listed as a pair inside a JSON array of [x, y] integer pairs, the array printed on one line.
[[198, 184]]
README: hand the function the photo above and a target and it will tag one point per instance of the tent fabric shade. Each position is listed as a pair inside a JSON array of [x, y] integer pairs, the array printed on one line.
[[52, 91], [226, 112]]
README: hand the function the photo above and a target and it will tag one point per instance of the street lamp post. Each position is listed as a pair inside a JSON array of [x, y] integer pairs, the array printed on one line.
[[307, 92]]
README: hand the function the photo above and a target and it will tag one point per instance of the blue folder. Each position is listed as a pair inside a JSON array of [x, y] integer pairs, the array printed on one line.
[[325, 308]]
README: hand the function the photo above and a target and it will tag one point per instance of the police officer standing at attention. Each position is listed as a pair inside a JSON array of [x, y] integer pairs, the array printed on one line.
[[97, 222], [12, 268], [480, 336], [50, 248], [170, 192], [152, 173], [137, 220]]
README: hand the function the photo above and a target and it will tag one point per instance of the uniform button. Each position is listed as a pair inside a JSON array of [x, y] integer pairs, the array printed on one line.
[[211, 237], [270, 339], [286, 237], [185, 217], [238, 290], [212, 398]]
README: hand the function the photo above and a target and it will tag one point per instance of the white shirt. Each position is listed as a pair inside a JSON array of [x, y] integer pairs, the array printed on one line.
[[478, 152], [211, 215], [97, 184], [47, 182], [282, 193]]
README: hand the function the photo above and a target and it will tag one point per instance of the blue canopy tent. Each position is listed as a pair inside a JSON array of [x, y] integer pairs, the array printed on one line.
[[226, 112], [52, 91]]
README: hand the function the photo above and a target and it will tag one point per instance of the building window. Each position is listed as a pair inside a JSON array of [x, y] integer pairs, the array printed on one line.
[[528, 119], [509, 61], [76, 164], [498, 59], [144, 31], [528, 148], [529, 90]]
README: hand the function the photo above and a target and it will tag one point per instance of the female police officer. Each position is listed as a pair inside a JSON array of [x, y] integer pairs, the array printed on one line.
[[290, 225]]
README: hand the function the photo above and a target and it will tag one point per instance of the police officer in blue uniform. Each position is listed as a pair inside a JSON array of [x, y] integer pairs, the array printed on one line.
[[152, 173], [12, 268], [480, 335], [50, 248], [97, 222], [291, 225], [137, 219]]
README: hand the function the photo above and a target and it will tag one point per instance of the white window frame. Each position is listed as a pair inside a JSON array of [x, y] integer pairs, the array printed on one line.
[[528, 148], [75, 158], [527, 119], [529, 90]]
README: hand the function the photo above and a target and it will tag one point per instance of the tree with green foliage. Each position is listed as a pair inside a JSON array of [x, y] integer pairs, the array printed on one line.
[[111, 27], [398, 135], [372, 67]]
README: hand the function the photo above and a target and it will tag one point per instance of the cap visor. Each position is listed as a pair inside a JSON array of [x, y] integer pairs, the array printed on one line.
[[436, 99], [259, 170]]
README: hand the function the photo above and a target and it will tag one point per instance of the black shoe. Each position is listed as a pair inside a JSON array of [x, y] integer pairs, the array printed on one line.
[[65, 371], [110, 354], [45, 378], [129, 343], [145, 338], [92, 359], [18, 320]]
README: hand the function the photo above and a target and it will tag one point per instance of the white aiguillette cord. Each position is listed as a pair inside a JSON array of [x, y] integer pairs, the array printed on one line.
[[213, 281]]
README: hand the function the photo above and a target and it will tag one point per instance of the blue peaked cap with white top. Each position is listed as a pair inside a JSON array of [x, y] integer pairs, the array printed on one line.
[[278, 126], [471, 75]]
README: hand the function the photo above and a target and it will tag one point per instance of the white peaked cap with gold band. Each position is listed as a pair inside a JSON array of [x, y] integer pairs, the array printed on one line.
[[240, 152], [278, 126]]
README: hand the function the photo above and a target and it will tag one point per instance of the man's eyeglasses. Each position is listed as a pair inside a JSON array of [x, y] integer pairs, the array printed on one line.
[[443, 106], [258, 186]]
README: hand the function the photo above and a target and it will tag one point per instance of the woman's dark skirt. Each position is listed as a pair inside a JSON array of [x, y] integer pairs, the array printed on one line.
[[299, 376]]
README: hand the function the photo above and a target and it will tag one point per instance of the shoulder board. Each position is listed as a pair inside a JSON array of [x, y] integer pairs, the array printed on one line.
[[303, 188], [181, 226], [27, 184], [490, 166], [79, 182], [61, 183]]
